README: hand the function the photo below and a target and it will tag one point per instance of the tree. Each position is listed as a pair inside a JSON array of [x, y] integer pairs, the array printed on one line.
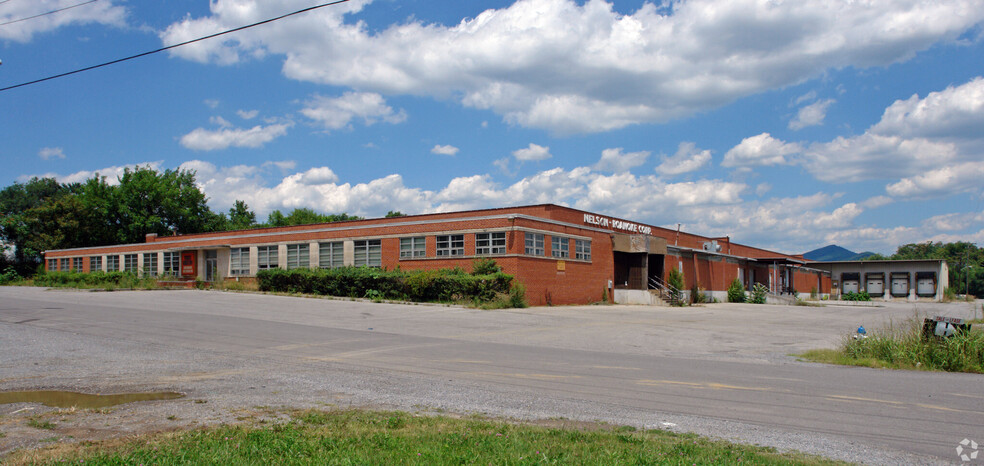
[[26, 217], [305, 216], [148, 201], [395, 213], [240, 217]]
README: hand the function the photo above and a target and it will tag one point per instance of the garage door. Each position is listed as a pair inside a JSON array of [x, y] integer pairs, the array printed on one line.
[[876, 286], [925, 287], [900, 286], [850, 286]]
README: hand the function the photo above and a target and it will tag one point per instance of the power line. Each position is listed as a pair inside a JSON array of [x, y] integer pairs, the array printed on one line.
[[169, 47], [47, 13]]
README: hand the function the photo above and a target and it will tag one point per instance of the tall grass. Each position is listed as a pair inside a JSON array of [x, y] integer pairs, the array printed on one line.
[[902, 346], [103, 280]]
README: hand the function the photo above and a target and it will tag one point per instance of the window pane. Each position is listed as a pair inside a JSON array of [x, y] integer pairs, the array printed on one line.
[[560, 247], [95, 264], [534, 244], [150, 264], [451, 245]]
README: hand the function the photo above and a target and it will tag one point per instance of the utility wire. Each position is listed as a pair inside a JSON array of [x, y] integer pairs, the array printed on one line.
[[47, 13], [169, 47]]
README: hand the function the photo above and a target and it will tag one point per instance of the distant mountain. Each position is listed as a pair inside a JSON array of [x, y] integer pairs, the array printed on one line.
[[835, 253]]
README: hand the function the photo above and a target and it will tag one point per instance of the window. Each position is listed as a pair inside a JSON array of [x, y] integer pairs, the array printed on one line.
[[487, 244], [582, 249], [266, 257], [451, 245], [112, 263], [64, 265], [560, 247], [77, 264], [130, 263], [95, 264], [52, 265], [534, 244], [239, 261], [298, 256], [412, 247], [172, 263], [331, 255], [150, 264], [369, 252]]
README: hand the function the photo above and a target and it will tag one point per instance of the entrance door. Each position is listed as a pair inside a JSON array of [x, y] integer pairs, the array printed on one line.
[[211, 265]]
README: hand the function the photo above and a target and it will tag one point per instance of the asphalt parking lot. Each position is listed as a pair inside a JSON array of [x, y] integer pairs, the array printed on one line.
[[724, 370]]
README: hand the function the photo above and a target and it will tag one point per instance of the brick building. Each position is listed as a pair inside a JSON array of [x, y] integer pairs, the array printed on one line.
[[562, 255]]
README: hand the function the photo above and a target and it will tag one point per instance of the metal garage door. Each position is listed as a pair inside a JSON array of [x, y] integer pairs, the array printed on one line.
[[925, 287], [850, 286], [876, 285], [900, 285]]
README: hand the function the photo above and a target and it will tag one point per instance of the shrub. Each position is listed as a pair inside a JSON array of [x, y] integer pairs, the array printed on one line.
[[736, 292], [697, 294], [860, 296], [9, 275], [675, 280], [813, 293], [485, 266], [759, 293], [904, 346], [449, 285]]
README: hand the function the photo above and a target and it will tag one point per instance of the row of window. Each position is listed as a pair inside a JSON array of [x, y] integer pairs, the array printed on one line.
[[560, 247], [331, 255]]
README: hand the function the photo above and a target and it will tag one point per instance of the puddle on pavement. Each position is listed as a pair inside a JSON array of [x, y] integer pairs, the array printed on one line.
[[60, 399]]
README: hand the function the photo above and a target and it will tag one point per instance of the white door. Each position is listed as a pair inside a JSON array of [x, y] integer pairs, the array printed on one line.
[[900, 286], [850, 286], [925, 286], [876, 286]]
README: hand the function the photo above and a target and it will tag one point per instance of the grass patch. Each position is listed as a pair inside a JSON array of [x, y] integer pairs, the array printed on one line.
[[40, 424], [368, 437], [903, 347]]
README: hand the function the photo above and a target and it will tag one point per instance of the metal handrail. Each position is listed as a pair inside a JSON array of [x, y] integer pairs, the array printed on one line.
[[666, 291]]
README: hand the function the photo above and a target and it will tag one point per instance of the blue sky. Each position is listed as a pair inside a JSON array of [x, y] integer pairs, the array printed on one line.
[[787, 125]]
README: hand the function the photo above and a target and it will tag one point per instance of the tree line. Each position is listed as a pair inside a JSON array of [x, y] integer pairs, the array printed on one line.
[[965, 261], [43, 214]]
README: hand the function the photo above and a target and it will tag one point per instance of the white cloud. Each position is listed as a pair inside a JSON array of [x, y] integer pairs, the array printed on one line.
[[762, 149], [575, 68], [226, 136], [876, 201], [921, 142], [247, 114], [48, 153], [614, 160], [687, 159], [812, 95], [941, 181], [219, 121], [211, 103], [811, 115], [762, 189], [444, 150], [338, 112], [533, 152], [105, 13]]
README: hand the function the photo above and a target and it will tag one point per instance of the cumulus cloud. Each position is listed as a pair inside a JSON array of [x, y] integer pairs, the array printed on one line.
[[688, 158], [444, 150], [614, 160], [533, 152], [925, 143], [48, 153], [811, 115], [762, 149], [941, 181], [581, 67], [338, 112], [106, 13], [227, 136]]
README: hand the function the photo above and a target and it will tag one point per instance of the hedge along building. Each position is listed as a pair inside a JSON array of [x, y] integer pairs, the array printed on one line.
[[561, 255]]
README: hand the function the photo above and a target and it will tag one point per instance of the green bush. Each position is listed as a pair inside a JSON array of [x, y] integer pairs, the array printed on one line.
[[485, 266], [860, 296], [759, 293], [108, 280], [449, 285], [697, 294], [676, 282], [9, 275], [736, 292]]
